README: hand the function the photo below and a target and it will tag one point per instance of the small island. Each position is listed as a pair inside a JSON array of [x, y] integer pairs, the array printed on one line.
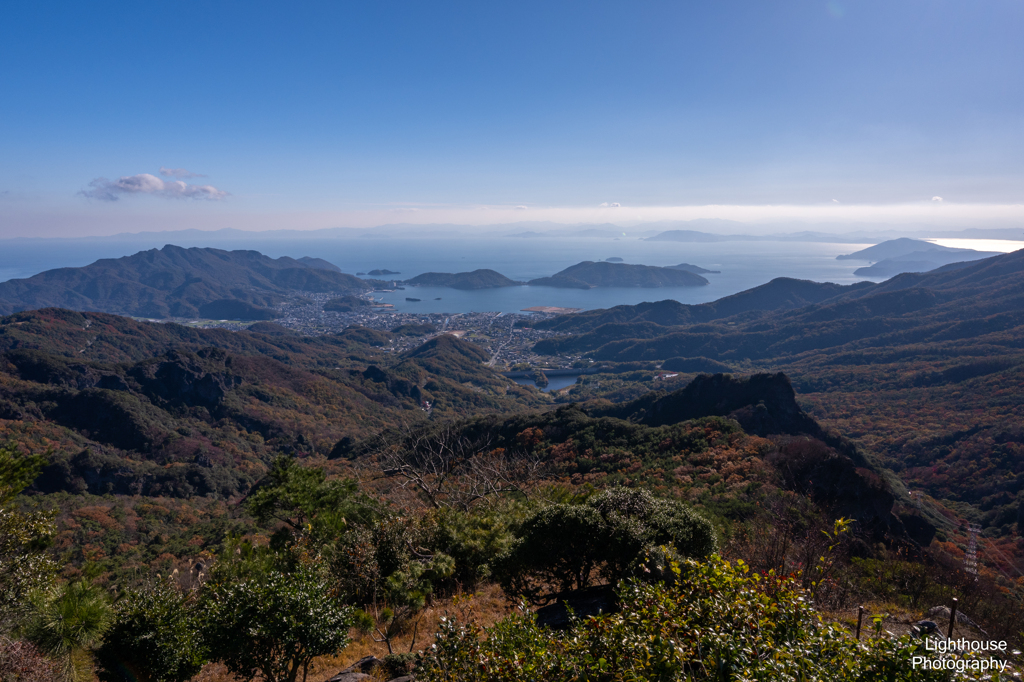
[[613, 259], [478, 279], [382, 273], [588, 274], [695, 269]]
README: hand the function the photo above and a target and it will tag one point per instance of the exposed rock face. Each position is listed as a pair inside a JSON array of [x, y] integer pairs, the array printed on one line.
[[762, 403], [810, 461], [185, 379], [364, 669], [810, 467]]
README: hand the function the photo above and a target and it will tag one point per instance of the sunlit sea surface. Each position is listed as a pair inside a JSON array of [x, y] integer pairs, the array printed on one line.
[[742, 264]]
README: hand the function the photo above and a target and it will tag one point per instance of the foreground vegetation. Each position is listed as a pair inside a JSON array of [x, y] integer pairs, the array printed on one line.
[[260, 500], [332, 561]]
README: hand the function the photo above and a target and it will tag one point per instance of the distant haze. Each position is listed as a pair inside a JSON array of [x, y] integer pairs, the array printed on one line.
[[131, 117]]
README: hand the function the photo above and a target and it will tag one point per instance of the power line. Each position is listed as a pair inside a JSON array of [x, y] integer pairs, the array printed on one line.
[[971, 556]]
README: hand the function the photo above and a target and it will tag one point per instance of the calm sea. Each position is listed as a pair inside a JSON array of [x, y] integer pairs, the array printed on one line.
[[742, 264]]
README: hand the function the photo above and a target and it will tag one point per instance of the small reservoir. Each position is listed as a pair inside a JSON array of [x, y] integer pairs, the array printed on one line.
[[554, 383]]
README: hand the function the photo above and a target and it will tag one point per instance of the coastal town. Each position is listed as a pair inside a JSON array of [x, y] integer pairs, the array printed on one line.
[[508, 337]]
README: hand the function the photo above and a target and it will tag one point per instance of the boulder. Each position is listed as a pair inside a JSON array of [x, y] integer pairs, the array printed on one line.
[[360, 670], [592, 601]]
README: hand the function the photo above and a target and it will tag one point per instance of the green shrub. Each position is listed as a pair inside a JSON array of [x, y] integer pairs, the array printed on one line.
[[155, 637], [568, 545], [716, 621], [274, 625]]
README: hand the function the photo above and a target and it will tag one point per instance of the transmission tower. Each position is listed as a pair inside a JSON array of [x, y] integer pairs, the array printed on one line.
[[971, 556]]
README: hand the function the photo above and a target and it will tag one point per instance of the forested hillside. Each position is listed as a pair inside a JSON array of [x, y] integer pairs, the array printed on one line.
[[338, 470], [177, 282], [923, 371]]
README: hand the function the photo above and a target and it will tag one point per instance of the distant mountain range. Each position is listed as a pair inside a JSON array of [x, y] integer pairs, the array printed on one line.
[[771, 321], [174, 282], [909, 255], [177, 282], [689, 236], [923, 369]]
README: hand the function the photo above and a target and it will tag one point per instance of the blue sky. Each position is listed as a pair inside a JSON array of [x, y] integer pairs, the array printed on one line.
[[318, 114]]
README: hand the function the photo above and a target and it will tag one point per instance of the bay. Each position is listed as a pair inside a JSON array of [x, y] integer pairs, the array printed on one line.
[[742, 265]]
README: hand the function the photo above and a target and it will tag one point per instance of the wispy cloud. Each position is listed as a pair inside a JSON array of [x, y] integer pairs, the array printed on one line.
[[614, 204], [144, 183], [937, 200], [179, 173]]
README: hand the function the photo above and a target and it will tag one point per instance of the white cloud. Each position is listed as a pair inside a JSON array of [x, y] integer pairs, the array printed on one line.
[[614, 204], [835, 201], [937, 200], [179, 173], [520, 208], [144, 183]]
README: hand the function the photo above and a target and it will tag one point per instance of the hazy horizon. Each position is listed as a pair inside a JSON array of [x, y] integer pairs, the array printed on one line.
[[129, 118]]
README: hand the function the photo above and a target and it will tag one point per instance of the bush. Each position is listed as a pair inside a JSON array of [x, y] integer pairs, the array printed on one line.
[[717, 621], [274, 625], [472, 539], [566, 544], [155, 637]]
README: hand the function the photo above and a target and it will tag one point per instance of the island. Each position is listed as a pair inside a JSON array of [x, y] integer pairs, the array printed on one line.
[[692, 236], [613, 259], [897, 256], [382, 273], [478, 279], [695, 269], [588, 274]]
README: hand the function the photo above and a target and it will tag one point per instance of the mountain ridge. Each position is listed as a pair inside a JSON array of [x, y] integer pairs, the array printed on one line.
[[176, 282]]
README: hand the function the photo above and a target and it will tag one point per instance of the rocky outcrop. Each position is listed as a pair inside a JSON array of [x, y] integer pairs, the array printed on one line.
[[763, 404], [368, 668], [592, 601], [186, 379]]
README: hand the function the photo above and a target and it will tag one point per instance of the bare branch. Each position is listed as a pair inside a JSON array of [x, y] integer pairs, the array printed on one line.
[[450, 469]]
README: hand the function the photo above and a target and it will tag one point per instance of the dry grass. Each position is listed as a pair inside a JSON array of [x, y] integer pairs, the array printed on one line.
[[898, 620], [486, 607]]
